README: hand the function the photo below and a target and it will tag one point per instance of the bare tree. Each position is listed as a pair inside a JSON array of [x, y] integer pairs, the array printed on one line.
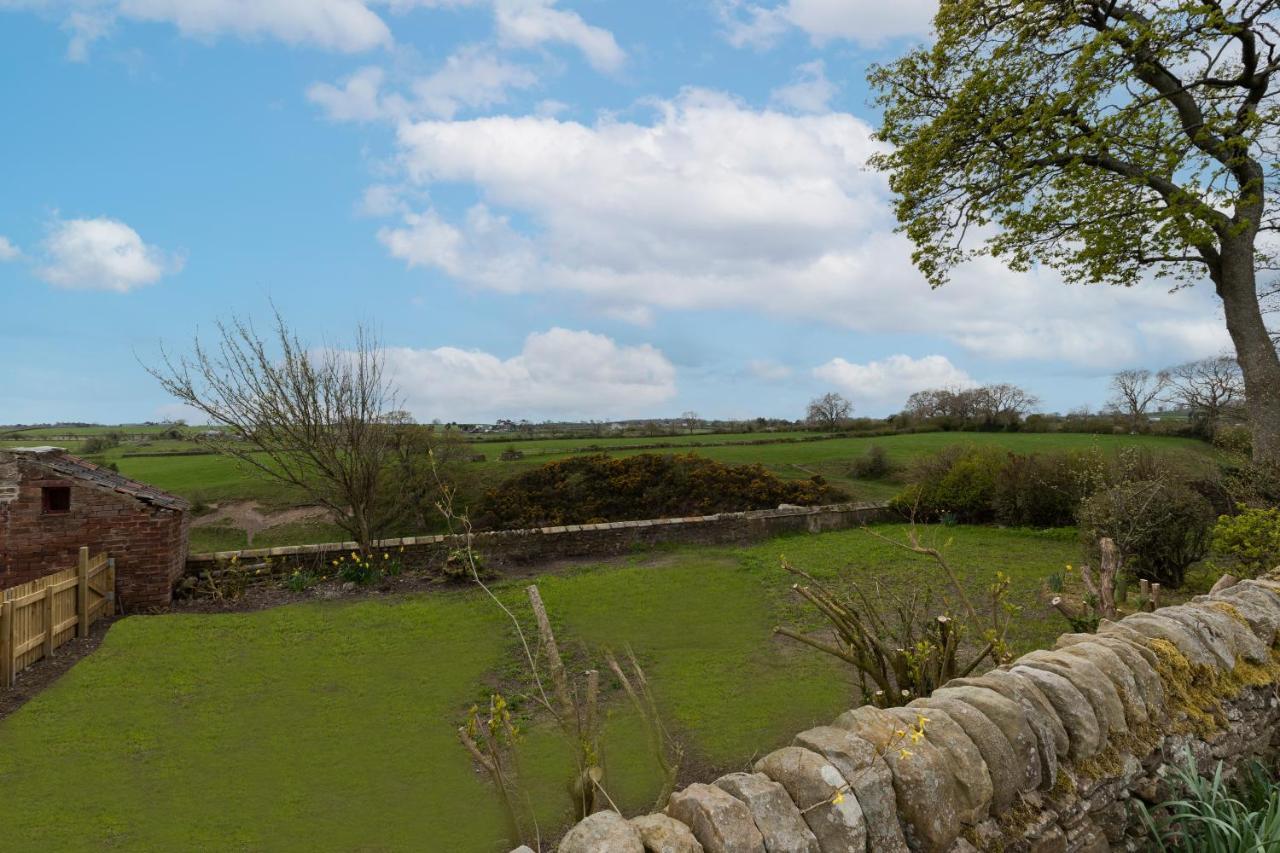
[[690, 419], [1004, 405], [1208, 388], [1134, 392], [830, 411], [316, 420], [1000, 405]]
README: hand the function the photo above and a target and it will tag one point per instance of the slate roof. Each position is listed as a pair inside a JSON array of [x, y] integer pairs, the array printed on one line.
[[59, 461]]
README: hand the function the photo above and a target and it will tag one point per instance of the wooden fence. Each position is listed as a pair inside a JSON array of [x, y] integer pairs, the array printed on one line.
[[39, 616]]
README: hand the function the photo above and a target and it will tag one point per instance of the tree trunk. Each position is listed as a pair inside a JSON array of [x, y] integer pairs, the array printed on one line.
[[1259, 363]]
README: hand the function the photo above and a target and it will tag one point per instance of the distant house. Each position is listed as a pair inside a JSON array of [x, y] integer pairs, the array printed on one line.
[[52, 503]]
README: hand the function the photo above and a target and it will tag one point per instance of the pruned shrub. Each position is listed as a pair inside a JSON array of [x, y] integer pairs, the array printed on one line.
[[1248, 544], [872, 465], [1160, 527], [595, 488]]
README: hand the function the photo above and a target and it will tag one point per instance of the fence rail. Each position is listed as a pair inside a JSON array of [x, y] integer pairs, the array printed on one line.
[[39, 616]]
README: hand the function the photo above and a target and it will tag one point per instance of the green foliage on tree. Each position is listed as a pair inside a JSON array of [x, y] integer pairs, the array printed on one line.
[[1113, 140]]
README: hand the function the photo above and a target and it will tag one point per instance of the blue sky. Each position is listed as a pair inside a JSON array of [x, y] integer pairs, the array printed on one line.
[[590, 209]]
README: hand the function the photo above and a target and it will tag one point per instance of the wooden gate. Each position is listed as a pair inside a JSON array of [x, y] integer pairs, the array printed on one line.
[[39, 616]]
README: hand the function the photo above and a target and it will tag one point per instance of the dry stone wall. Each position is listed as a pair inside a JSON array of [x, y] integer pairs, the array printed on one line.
[[1049, 754], [504, 548]]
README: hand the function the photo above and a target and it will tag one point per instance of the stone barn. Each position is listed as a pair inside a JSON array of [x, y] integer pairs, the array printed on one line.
[[52, 503]]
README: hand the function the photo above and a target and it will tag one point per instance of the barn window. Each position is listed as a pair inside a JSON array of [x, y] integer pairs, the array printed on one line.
[[55, 499]]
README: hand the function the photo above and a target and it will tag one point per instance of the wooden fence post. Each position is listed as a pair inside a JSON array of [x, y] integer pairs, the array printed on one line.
[[82, 595], [6, 644], [48, 621], [110, 609]]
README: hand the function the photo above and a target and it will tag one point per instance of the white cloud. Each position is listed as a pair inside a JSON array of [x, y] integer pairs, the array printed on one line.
[[531, 23], [868, 23], [343, 25], [358, 98], [8, 251], [712, 205], [472, 78], [102, 254], [893, 379], [809, 92], [558, 373]]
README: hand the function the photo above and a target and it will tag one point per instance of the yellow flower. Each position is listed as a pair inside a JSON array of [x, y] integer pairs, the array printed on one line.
[[386, 556], [916, 734], [921, 719], [335, 562], [900, 733], [838, 798], [905, 753]]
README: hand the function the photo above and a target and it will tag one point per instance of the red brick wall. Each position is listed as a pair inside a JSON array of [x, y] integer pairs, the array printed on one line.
[[149, 543]]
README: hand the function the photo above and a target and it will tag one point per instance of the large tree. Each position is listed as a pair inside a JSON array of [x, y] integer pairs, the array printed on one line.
[[1114, 140], [830, 411]]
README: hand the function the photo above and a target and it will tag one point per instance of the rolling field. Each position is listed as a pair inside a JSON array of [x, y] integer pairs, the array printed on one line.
[[210, 479], [330, 725]]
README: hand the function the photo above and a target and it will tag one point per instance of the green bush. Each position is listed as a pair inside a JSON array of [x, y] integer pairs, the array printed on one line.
[[873, 465], [1248, 544], [957, 484], [1160, 527], [1043, 490], [597, 488], [1234, 439]]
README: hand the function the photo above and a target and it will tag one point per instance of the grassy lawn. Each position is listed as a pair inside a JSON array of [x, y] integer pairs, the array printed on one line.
[[330, 725]]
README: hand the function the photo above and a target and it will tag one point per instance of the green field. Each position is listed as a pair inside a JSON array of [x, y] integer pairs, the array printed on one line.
[[209, 479], [330, 725]]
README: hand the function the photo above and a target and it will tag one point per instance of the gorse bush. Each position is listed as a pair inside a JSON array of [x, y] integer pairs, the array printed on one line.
[[1160, 526], [1247, 544], [1214, 817], [596, 488]]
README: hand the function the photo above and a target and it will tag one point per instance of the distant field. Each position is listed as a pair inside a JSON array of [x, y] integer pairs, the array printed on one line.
[[210, 479]]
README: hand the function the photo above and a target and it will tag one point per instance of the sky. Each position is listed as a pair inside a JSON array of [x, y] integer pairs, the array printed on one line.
[[547, 209]]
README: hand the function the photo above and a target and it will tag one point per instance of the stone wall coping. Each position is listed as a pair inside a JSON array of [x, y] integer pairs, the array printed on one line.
[[1040, 754], [411, 541]]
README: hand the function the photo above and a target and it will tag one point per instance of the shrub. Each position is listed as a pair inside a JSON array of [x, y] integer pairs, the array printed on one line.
[[873, 465], [595, 488], [1160, 527], [100, 443], [1247, 544], [1234, 439], [1043, 490], [958, 483]]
